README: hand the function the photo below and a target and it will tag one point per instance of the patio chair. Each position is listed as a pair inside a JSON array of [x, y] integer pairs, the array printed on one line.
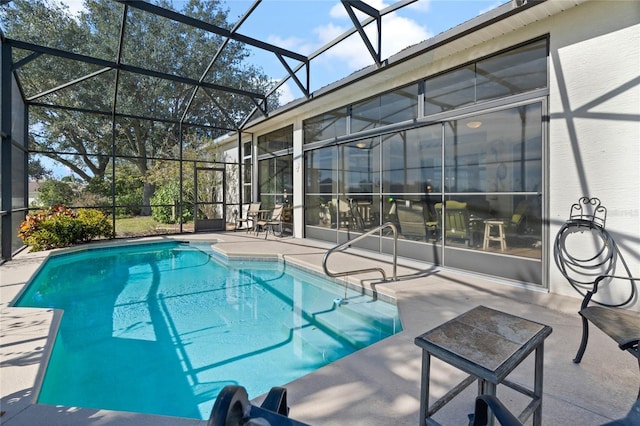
[[251, 216], [455, 219], [274, 220], [608, 314], [411, 219], [232, 408], [357, 221], [484, 403]]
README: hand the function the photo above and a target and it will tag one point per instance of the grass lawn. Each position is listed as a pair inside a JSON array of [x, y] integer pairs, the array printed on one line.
[[143, 225]]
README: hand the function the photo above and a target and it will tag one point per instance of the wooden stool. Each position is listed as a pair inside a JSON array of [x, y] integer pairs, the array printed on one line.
[[488, 224]]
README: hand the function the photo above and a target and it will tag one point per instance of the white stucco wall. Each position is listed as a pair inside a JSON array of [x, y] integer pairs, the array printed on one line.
[[594, 128]]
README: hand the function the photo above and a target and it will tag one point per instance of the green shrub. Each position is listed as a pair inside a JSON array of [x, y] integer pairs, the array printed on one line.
[[62, 227], [95, 224], [167, 195]]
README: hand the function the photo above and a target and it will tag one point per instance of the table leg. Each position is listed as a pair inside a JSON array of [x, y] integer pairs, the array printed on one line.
[[537, 386], [487, 388], [424, 387]]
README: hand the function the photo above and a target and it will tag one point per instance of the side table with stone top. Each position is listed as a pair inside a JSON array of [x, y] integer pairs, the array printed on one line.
[[488, 345]]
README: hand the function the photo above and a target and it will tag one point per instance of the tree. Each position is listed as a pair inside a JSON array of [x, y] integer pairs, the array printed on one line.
[[83, 141], [37, 170], [55, 192]]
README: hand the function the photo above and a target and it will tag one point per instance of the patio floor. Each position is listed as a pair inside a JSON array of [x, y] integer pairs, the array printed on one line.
[[379, 385]]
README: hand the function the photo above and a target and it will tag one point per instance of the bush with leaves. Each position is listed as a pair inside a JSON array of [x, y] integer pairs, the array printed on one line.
[[53, 192], [60, 226], [165, 204]]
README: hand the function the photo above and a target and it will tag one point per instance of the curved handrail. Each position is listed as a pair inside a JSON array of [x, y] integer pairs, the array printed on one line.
[[347, 244]]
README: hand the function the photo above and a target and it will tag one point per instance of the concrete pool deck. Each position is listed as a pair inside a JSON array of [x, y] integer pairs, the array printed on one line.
[[378, 385]]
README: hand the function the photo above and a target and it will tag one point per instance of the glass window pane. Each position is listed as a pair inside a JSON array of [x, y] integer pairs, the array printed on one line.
[[411, 160], [276, 141], [512, 72], [496, 152], [321, 171], [450, 90], [329, 125], [267, 183], [517, 217], [276, 181], [400, 105], [365, 115], [321, 176], [360, 165], [321, 210]]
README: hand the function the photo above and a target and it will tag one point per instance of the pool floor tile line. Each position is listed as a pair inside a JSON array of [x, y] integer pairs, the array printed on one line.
[[379, 385]]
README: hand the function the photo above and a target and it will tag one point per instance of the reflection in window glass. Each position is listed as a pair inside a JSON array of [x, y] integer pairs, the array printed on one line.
[[360, 165], [321, 175], [516, 71], [450, 90], [276, 141], [246, 149], [321, 187], [365, 115], [498, 156], [415, 216], [276, 181], [411, 159], [400, 105], [246, 192], [496, 152], [329, 125]]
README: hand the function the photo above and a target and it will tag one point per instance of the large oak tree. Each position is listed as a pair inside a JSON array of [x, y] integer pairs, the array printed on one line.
[[84, 141]]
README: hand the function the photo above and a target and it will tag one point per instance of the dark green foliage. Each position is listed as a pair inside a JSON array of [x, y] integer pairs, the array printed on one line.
[[84, 142], [55, 192], [62, 227], [165, 201]]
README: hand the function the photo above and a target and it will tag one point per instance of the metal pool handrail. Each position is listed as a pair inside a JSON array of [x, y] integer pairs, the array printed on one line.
[[347, 244]]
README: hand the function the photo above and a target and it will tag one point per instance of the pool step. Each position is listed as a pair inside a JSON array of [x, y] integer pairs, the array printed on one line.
[[360, 307], [341, 326]]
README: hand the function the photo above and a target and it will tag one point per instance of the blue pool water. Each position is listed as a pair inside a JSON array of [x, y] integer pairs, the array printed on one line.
[[161, 328]]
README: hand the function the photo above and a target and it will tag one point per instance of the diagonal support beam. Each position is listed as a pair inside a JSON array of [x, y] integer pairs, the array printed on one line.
[[24, 61], [68, 84], [178, 17], [130, 68], [349, 5], [229, 34], [217, 55], [303, 88], [398, 5]]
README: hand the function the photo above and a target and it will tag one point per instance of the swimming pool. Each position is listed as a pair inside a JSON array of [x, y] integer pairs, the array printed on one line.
[[161, 328]]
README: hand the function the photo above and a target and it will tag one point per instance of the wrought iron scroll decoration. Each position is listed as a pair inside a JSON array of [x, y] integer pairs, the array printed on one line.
[[588, 212]]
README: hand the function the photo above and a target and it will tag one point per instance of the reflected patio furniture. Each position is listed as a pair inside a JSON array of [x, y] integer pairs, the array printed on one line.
[[273, 220], [356, 219], [364, 211], [494, 231], [510, 231], [411, 219], [455, 220], [518, 216], [343, 212], [251, 216]]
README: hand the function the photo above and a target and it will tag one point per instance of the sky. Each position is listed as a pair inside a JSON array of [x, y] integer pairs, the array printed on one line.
[[303, 26]]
